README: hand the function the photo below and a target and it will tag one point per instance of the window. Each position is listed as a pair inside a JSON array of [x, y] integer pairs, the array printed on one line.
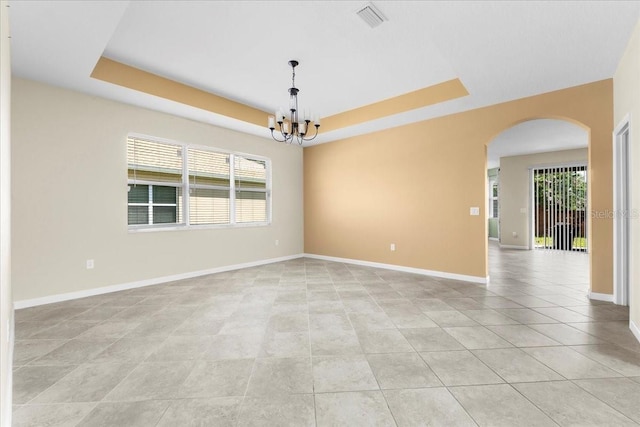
[[493, 198], [250, 177], [173, 184]]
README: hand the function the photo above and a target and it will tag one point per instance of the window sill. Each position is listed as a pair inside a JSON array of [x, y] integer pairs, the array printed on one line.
[[198, 227]]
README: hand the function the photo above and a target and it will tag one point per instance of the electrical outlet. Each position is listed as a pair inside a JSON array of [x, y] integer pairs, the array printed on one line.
[[90, 264], [514, 234], [393, 247], [475, 211], [277, 242]]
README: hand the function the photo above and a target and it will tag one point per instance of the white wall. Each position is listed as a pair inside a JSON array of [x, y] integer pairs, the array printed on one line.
[[515, 191], [626, 100], [70, 196], [6, 306]]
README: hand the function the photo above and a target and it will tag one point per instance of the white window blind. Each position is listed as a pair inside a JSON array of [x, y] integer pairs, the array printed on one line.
[[154, 182], [209, 187], [250, 176], [173, 183]]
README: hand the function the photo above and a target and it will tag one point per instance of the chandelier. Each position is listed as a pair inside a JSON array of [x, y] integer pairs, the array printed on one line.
[[292, 129]]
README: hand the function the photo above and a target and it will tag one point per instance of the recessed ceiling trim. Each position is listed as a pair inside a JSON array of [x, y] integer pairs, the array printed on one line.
[[111, 71], [430, 95], [130, 77]]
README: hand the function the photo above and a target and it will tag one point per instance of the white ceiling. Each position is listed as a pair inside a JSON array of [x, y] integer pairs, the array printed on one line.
[[536, 136], [239, 49]]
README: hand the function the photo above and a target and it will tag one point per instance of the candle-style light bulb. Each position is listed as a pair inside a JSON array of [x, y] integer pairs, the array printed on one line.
[[285, 128], [272, 122]]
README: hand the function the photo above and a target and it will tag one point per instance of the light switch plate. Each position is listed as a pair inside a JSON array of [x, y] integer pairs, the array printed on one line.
[[474, 211]]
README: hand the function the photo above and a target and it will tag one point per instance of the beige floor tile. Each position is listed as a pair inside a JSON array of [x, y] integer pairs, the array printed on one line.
[[285, 411], [285, 344], [568, 404], [86, 383], [526, 316], [30, 381], [334, 342], [370, 321], [74, 352], [432, 304], [619, 359], [562, 314], [25, 351], [422, 407], [219, 412], [245, 346], [354, 409], [128, 350], [569, 363], [565, 334], [275, 376], [131, 414], [621, 394], [410, 320], [217, 378], [460, 368], [58, 415], [499, 405], [522, 336], [489, 317], [402, 370], [383, 341], [451, 318], [342, 373], [148, 381], [66, 330], [177, 348], [514, 365], [477, 337], [431, 339]]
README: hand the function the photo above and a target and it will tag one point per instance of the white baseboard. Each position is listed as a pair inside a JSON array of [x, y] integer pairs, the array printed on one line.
[[634, 329], [441, 274], [147, 282], [522, 248], [601, 297]]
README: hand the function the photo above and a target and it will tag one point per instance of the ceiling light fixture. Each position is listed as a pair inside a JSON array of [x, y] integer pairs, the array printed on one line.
[[291, 129]]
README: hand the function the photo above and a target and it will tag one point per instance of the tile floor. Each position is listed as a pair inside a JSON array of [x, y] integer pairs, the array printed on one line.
[[308, 342]]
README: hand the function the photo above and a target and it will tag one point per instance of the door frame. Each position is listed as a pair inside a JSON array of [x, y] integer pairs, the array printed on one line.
[[621, 211]]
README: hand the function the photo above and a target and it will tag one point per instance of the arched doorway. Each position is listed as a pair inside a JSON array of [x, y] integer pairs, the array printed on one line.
[[536, 174]]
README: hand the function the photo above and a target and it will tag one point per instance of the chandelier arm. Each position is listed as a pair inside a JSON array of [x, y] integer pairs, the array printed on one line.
[[274, 137], [314, 136]]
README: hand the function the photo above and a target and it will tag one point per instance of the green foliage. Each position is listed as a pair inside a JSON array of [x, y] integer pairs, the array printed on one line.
[[564, 190]]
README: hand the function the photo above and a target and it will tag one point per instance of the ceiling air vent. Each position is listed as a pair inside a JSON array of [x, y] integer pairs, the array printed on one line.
[[371, 15]]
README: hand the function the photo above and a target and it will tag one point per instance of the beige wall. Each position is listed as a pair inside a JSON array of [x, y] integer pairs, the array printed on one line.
[[70, 196], [413, 186], [515, 191], [626, 86], [6, 307]]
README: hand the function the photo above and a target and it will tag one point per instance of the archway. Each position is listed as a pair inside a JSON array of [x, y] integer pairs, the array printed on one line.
[[514, 159]]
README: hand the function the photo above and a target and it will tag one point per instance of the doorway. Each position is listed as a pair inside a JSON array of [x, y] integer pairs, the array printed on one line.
[[621, 213], [560, 207]]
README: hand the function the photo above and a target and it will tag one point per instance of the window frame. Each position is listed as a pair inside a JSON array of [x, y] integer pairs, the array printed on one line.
[[186, 186], [494, 213]]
